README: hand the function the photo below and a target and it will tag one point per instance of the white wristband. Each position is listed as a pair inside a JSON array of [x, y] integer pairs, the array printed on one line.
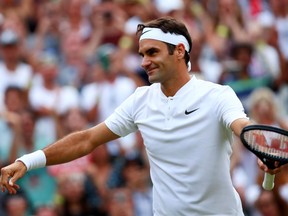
[[33, 160]]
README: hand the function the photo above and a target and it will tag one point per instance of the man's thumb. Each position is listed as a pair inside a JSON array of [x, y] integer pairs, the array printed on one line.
[[13, 179]]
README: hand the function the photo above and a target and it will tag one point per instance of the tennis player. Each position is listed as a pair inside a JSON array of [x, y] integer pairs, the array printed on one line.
[[186, 125]]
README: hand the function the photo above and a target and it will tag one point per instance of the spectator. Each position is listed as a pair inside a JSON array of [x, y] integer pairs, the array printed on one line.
[[78, 41], [109, 17], [46, 211], [10, 123], [280, 11], [47, 33], [75, 120], [16, 205], [23, 8], [265, 109], [48, 99], [72, 196], [244, 72], [267, 203], [137, 180], [120, 202], [105, 173], [12, 70], [266, 54], [100, 99], [37, 180], [202, 67], [72, 120]]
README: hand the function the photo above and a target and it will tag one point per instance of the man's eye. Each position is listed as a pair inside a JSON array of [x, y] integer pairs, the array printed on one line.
[[151, 52]]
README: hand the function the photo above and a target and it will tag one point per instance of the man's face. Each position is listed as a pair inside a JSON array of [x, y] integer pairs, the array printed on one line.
[[158, 64], [10, 52]]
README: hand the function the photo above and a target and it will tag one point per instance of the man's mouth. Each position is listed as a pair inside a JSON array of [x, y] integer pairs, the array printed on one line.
[[150, 71]]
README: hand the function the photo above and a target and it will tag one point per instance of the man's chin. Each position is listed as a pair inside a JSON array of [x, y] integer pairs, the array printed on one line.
[[151, 80]]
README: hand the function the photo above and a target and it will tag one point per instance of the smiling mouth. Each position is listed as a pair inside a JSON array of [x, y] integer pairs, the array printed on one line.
[[150, 71]]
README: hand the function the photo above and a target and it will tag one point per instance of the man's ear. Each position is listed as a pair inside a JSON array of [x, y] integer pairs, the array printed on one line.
[[180, 51]]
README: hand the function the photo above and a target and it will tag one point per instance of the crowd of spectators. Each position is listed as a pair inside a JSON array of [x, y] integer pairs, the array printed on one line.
[[65, 65]]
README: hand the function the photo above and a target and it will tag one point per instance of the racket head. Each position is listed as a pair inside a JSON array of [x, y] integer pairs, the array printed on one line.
[[269, 144]]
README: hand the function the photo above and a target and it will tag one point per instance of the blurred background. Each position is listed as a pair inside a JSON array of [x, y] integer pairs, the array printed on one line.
[[65, 65]]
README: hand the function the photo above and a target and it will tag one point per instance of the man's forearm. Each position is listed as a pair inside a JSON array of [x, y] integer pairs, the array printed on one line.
[[70, 147]]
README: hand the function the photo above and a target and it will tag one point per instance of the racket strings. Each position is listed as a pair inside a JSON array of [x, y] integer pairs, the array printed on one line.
[[273, 144]]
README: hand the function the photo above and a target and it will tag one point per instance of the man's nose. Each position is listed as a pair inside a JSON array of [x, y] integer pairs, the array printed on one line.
[[145, 62]]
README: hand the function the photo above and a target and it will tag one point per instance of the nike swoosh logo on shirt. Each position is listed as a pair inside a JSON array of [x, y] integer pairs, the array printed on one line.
[[189, 112]]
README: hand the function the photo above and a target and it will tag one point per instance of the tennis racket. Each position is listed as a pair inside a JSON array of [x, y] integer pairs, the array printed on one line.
[[269, 144]]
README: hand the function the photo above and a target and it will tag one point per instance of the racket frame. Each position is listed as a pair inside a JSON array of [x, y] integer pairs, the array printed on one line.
[[268, 159]]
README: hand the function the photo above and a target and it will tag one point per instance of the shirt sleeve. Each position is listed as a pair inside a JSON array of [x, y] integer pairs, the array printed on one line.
[[229, 106], [121, 121]]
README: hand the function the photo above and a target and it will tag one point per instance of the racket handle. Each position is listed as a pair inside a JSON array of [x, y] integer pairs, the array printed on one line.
[[268, 182]]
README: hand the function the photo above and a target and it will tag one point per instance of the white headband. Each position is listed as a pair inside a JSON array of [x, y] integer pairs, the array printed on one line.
[[158, 34]]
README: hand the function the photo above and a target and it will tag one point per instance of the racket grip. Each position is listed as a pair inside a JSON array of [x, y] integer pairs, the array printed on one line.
[[268, 182]]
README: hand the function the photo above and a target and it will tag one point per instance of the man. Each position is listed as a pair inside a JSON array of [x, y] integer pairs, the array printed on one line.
[[13, 71], [186, 125]]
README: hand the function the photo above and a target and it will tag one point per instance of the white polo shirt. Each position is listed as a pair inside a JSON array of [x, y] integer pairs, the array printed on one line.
[[187, 141]]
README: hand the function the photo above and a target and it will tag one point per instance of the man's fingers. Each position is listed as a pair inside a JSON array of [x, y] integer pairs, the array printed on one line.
[[5, 182], [262, 165], [276, 163], [9, 175], [4, 178], [266, 169], [3, 189], [13, 188]]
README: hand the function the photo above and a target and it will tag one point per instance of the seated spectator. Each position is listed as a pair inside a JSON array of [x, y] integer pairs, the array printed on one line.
[[243, 72]]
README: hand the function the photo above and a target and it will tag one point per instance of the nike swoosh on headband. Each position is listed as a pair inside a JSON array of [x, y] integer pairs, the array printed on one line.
[[146, 31]]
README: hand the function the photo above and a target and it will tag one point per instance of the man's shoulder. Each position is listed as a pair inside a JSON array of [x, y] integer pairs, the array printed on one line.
[[211, 90], [148, 88], [209, 85], [143, 92]]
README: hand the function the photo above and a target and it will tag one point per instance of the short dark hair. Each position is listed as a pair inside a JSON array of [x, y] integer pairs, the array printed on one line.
[[237, 47], [171, 25], [14, 88]]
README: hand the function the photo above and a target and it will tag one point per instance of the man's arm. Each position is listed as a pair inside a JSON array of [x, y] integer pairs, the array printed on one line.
[[78, 144], [239, 124], [70, 147]]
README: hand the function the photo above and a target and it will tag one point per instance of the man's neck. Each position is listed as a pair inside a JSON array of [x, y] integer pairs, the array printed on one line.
[[171, 87], [11, 66]]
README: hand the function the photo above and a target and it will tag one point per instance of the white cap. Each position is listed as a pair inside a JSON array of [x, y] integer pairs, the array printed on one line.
[[8, 37]]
